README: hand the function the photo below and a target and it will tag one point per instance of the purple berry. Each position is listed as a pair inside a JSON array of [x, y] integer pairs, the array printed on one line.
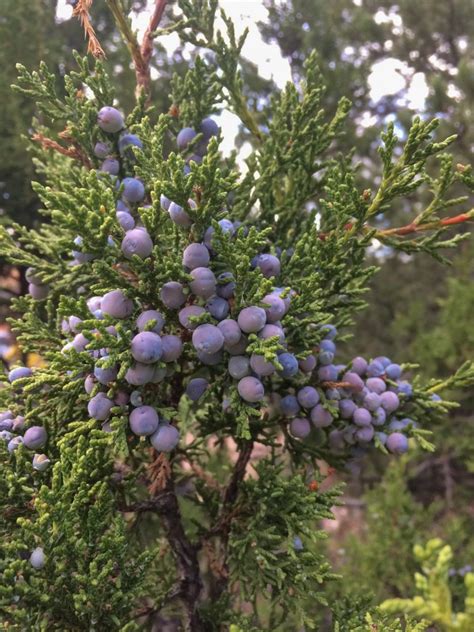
[[289, 365], [164, 202], [146, 347], [383, 360], [133, 190], [139, 374], [147, 317], [203, 283], [172, 348], [218, 307], [38, 292], [14, 443], [105, 376], [365, 434], [37, 558], [31, 276], [166, 438], [137, 242], [393, 371], [172, 295], [327, 345], [274, 307], [353, 380], [376, 384], [126, 142], [19, 373], [405, 388], [269, 265], [289, 406], [35, 437], [325, 357], [397, 443], [111, 166], [399, 424], [196, 256], [80, 342], [110, 120], [308, 364], [250, 389], [372, 401], [379, 416], [186, 313], [252, 319], [102, 150], [375, 369], [196, 388], [125, 220], [116, 304], [300, 427], [209, 128], [362, 417], [359, 366], [389, 401], [260, 366], [329, 331], [230, 330], [99, 407], [239, 348], [271, 331], [210, 359], [238, 367], [328, 373], [225, 285], [320, 417], [89, 384], [143, 421], [308, 397], [178, 215], [121, 398], [185, 137], [208, 339]]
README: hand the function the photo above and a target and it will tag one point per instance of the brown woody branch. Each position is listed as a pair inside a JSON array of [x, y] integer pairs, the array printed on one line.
[[412, 227], [165, 504], [141, 55]]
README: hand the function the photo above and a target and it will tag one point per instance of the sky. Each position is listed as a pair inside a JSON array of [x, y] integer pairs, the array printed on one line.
[[387, 77]]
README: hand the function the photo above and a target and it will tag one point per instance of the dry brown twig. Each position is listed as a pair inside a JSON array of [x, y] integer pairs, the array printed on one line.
[[70, 152], [81, 11]]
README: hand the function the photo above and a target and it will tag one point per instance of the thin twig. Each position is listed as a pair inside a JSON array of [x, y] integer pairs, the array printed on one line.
[[81, 11], [412, 227], [141, 55], [70, 152], [147, 44]]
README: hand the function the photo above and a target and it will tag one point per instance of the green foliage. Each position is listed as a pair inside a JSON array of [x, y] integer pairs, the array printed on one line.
[[129, 534], [263, 558], [434, 601], [379, 561]]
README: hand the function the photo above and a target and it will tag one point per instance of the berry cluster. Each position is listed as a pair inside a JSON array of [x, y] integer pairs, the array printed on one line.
[[353, 405], [362, 402], [12, 429]]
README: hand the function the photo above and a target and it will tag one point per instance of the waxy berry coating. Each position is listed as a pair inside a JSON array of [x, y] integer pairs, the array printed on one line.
[[110, 120], [143, 421]]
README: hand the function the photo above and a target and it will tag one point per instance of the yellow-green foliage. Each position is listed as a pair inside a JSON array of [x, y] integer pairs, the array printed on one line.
[[434, 602]]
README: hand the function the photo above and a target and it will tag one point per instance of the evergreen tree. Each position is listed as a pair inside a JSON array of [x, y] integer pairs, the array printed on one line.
[[180, 305]]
